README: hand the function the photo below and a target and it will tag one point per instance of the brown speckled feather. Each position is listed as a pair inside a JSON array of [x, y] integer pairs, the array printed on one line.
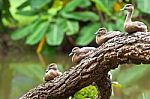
[[136, 26]]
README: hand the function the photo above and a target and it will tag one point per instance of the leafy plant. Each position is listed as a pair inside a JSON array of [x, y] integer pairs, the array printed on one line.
[[5, 13], [86, 93], [56, 18]]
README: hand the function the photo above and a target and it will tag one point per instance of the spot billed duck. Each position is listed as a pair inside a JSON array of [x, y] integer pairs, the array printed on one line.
[[132, 27], [51, 72], [79, 53], [102, 35]]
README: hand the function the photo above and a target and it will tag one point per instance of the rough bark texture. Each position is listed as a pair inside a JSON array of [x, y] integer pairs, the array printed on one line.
[[104, 87], [133, 48]]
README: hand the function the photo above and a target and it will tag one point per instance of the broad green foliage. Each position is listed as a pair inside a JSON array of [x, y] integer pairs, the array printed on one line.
[[103, 5], [55, 35], [75, 16], [24, 31], [82, 16], [87, 32], [27, 13], [86, 93], [5, 13], [72, 27], [38, 4], [37, 35], [72, 5]]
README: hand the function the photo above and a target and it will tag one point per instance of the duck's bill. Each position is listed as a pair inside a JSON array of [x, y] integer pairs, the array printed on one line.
[[122, 9], [96, 33], [71, 54]]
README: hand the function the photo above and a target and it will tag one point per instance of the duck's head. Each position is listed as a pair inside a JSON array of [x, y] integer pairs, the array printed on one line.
[[101, 31], [128, 7], [52, 66], [74, 50]]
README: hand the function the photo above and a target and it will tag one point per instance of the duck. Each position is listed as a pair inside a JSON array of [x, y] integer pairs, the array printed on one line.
[[102, 35], [79, 53], [51, 72], [129, 25]]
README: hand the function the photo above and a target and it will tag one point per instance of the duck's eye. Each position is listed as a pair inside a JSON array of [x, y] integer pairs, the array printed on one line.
[[128, 5]]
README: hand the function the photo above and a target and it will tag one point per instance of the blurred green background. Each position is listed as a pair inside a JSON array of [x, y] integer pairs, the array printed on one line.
[[34, 33]]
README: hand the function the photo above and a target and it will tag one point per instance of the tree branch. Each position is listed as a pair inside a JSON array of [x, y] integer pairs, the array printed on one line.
[[134, 48], [104, 87]]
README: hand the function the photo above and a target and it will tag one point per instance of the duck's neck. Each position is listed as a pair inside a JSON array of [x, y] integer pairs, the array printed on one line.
[[129, 16]]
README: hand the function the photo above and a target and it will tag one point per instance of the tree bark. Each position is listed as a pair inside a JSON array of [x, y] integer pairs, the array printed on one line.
[[104, 87], [132, 48]]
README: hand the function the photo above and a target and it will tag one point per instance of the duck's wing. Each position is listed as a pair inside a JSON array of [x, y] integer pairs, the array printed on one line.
[[87, 49], [135, 26], [138, 22], [140, 25]]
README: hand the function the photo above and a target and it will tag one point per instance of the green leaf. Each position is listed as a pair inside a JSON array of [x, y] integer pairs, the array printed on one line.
[[61, 22], [56, 6], [10, 18], [72, 5], [37, 35], [7, 13], [87, 34], [23, 5], [85, 3], [108, 4], [37, 4], [143, 5], [100, 6], [26, 12], [83, 16], [88, 92], [55, 35], [72, 27], [109, 25], [20, 33], [24, 31]]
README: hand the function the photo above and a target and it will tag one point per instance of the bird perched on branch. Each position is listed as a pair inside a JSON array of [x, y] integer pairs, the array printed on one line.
[[130, 26], [102, 35], [79, 53], [51, 72]]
